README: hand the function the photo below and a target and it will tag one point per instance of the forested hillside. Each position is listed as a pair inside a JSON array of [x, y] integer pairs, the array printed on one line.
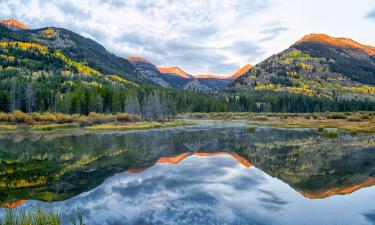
[[317, 66], [56, 70]]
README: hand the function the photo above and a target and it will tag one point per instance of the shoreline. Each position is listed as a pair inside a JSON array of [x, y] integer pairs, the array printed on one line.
[[352, 122]]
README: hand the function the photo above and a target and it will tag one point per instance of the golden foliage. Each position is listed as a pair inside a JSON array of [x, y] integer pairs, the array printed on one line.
[[82, 69], [25, 46], [49, 33]]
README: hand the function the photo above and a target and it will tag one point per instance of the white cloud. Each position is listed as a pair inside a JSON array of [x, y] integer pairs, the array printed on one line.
[[201, 36]]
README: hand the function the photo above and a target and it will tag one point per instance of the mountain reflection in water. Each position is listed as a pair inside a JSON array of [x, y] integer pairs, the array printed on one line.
[[178, 176]]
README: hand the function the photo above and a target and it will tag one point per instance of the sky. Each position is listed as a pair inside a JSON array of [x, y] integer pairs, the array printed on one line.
[[200, 36]]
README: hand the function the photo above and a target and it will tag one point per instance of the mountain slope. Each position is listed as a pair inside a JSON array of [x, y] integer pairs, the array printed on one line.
[[14, 25], [350, 58], [176, 71], [317, 65], [175, 77], [74, 46], [148, 71], [241, 71]]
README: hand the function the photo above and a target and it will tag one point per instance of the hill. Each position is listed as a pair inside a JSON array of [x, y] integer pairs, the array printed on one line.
[[56, 70], [319, 66]]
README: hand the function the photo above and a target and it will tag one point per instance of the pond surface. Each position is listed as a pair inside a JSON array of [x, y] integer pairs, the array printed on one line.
[[212, 173]]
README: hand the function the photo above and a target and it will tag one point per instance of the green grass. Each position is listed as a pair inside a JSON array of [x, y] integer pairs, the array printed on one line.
[[251, 129], [351, 122], [50, 127], [5, 127], [38, 217], [331, 133], [138, 126]]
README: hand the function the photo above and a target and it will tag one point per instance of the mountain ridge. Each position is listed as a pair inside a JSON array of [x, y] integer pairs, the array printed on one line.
[[14, 24], [174, 70], [240, 72], [337, 41]]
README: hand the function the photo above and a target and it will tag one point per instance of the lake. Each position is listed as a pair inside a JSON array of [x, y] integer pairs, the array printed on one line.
[[210, 173]]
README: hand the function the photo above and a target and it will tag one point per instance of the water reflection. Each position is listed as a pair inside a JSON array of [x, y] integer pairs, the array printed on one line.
[[208, 174], [208, 190]]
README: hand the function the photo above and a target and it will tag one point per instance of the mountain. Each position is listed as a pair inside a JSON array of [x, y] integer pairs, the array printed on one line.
[[352, 59], [148, 71], [74, 46], [317, 65], [13, 24], [56, 70], [176, 71], [204, 76], [240, 72], [175, 77], [343, 43]]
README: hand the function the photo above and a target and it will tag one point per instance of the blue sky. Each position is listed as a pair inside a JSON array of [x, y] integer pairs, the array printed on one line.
[[200, 36]]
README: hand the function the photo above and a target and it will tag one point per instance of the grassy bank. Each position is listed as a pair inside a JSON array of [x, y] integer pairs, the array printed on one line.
[[350, 122], [138, 126], [94, 121]]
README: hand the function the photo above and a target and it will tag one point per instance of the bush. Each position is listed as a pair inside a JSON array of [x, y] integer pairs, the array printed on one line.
[[123, 117], [36, 117], [330, 133], [19, 117], [337, 116], [48, 118], [5, 117], [251, 129], [136, 118], [62, 118]]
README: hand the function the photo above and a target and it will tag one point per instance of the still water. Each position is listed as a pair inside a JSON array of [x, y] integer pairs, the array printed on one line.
[[211, 173]]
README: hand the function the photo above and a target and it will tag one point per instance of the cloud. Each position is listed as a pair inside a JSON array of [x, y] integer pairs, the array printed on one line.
[[371, 15], [201, 36], [272, 32], [370, 216], [166, 32], [198, 190]]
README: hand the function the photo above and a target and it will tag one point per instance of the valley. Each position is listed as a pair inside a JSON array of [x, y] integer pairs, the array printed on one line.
[[103, 137]]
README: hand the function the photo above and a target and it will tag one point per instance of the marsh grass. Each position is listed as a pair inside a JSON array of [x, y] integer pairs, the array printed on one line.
[[7, 127], [138, 126], [38, 217], [21, 118], [251, 129], [331, 133], [351, 122], [50, 127]]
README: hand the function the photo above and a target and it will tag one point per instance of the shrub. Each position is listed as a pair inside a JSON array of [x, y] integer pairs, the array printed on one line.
[[36, 117], [62, 118], [123, 117], [251, 129], [330, 133], [136, 118], [19, 117], [337, 116], [49, 118], [5, 117]]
